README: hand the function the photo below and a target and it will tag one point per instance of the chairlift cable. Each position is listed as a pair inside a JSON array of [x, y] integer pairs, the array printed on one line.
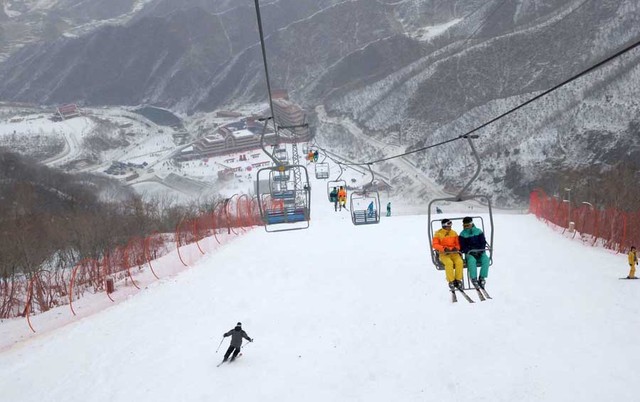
[[264, 61]]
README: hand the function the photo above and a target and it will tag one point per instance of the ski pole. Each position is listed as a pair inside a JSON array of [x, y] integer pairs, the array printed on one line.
[[246, 344], [220, 344]]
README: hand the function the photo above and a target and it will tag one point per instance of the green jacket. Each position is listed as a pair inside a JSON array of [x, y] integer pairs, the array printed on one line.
[[472, 239]]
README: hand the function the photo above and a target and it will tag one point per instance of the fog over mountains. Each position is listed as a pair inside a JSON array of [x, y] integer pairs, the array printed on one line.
[[428, 69]]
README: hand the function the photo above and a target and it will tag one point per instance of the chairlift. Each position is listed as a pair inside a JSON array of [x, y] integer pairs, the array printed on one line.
[[284, 199], [280, 153], [478, 221], [286, 202], [322, 169], [280, 176], [283, 202], [434, 222], [365, 204]]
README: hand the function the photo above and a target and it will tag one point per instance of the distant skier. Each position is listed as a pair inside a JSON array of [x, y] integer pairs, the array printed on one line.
[[333, 197], [633, 261], [446, 242], [389, 208], [236, 335], [473, 244], [310, 156], [315, 156], [438, 210]]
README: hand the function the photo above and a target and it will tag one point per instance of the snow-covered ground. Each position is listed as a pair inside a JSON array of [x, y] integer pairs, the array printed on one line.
[[108, 124], [146, 145], [346, 313]]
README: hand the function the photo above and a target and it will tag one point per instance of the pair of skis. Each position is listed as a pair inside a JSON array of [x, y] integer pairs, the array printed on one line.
[[482, 294], [230, 361], [454, 298]]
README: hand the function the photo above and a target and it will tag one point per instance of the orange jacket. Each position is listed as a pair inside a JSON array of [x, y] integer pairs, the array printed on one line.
[[446, 239], [342, 193]]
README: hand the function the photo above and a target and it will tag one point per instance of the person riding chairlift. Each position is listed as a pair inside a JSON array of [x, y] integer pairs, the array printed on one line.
[[342, 197], [370, 209], [333, 197]]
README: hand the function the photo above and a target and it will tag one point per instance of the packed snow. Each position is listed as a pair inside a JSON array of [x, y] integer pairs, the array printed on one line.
[[346, 313]]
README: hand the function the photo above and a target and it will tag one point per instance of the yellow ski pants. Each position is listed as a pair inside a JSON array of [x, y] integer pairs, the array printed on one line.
[[453, 266]]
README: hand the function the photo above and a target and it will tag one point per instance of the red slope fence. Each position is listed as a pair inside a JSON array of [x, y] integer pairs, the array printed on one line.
[[610, 228], [24, 295]]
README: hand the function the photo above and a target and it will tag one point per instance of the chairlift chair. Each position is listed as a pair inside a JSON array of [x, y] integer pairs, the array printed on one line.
[[434, 222], [322, 170], [365, 204], [434, 225], [282, 205], [279, 175], [292, 210], [281, 155], [359, 204]]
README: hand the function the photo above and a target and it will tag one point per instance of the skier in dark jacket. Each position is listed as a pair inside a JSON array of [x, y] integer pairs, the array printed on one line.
[[236, 335], [473, 244], [333, 197]]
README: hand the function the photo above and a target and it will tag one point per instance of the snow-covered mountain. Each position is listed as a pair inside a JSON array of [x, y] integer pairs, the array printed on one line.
[[587, 127], [421, 70]]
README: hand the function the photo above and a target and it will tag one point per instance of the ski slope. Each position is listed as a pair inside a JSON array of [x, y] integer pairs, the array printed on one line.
[[345, 313]]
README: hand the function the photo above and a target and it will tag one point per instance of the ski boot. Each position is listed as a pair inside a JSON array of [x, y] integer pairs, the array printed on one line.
[[459, 284], [452, 286], [475, 283], [481, 282]]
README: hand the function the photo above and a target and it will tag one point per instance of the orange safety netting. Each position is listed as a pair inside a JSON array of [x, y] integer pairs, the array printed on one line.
[[22, 295], [613, 229]]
